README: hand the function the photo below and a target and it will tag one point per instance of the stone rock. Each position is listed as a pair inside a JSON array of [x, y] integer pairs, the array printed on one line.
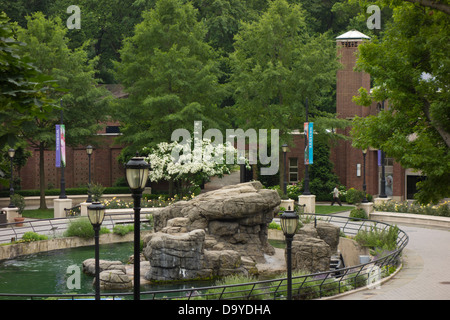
[[310, 255], [114, 280], [329, 233], [313, 246], [89, 266], [207, 236]]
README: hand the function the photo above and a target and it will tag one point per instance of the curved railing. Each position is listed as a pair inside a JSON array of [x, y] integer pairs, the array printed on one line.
[[307, 286]]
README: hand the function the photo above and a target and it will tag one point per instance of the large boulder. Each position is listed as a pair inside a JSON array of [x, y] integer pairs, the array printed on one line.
[[313, 246], [212, 234], [89, 266]]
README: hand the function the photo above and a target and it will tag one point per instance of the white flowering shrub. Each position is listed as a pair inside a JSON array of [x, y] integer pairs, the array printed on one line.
[[188, 167]]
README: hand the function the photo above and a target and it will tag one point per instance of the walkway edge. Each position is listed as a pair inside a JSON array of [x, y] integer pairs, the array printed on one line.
[[408, 218]]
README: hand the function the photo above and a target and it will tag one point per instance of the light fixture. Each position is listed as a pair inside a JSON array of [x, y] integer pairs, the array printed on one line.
[[137, 173], [89, 149], [96, 213], [289, 223], [11, 153]]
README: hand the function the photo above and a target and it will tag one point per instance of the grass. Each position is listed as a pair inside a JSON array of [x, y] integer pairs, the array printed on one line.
[[38, 214], [327, 209]]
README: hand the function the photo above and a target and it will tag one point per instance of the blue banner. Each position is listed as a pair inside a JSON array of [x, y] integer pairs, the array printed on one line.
[[309, 132]]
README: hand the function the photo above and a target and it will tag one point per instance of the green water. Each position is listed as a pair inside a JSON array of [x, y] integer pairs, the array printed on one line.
[[47, 272]]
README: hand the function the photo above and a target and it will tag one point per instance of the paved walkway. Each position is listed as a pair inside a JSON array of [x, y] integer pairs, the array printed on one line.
[[426, 269]]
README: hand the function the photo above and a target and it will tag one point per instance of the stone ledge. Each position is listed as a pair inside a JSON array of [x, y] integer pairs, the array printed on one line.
[[410, 218]]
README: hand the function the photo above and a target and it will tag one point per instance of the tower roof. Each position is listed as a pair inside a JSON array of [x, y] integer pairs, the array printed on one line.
[[353, 35]]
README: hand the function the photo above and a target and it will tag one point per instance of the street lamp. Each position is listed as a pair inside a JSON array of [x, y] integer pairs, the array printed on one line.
[[137, 170], [289, 223], [364, 176], [96, 214], [11, 153], [89, 150], [284, 147]]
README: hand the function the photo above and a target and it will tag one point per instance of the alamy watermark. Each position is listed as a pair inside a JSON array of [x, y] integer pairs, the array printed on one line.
[[258, 146], [74, 21], [374, 21]]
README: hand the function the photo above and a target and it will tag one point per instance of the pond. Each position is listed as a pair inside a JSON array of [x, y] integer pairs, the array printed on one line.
[[47, 272]]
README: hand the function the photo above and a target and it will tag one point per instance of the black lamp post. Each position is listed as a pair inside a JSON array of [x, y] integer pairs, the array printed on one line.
[[89, 150], [11, 153], [284, 147], [137, 170], [289, 223], [96, 214], [364, 176]]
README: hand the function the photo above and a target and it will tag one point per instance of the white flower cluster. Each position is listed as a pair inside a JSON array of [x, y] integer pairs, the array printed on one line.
[[209, 160]]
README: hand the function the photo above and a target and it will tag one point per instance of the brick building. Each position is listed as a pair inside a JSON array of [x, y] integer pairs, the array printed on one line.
[[348, 161]]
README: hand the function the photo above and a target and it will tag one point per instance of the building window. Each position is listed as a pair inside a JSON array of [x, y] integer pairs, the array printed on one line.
[[293, 170]]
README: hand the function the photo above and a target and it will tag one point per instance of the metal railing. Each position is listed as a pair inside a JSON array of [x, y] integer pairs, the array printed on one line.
[[14, 231], [304, 286]]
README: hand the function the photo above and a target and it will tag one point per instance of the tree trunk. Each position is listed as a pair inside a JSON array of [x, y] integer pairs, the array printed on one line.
[[42, 203]]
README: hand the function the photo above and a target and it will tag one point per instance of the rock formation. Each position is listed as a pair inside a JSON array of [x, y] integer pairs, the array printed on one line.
[[217, 233], [312, 247]]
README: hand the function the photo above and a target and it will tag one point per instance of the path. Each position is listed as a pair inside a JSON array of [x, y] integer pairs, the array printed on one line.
[[226, 180], [425, 274]]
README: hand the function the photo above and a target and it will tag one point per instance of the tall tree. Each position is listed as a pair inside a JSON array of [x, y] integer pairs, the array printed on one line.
[[410, 67], [276, 66], [171, 75], [84, 104], [23, 87]]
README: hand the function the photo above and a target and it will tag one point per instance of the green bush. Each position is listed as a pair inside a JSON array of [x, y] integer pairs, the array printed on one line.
[[358, 213], [123, 229], [33, 236], [19, 202], [354, 196], [82, 227], [385, 239]]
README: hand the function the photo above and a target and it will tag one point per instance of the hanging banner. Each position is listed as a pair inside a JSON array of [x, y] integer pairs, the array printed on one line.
[[63, 145], [60, 153], [309, 132], [58, 147]]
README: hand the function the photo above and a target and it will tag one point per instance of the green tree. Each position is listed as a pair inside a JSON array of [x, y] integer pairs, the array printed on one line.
[[410, 69], [171, 75], [276, 66], [23, 87], [84, 104]]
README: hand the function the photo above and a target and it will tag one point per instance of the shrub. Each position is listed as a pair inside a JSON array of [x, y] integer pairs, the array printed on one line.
[[33, 236], [82, 227], [375, 238], [358, 213], [123, 229], [19, 202], [354, 196]]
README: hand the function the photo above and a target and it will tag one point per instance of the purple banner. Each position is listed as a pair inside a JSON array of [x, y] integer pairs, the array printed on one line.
[[58, 147]]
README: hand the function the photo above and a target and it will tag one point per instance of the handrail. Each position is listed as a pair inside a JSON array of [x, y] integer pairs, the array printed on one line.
[[309, 286]]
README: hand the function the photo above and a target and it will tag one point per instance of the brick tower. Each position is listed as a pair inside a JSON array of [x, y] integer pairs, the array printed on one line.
[[349, 165]]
